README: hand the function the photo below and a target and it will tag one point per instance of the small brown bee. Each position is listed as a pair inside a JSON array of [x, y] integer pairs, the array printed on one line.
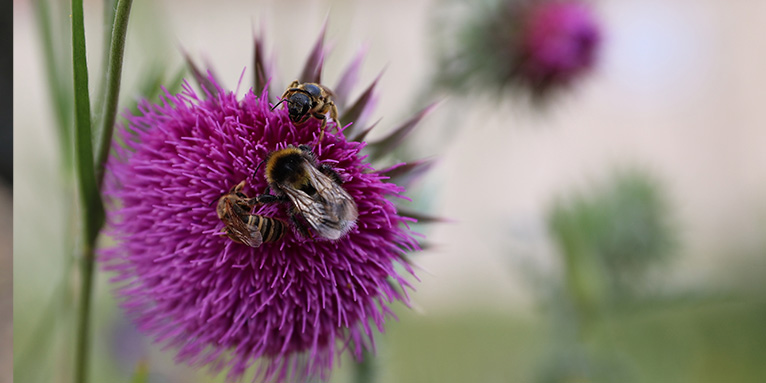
[[309, 100], [314, 191], [242, 227]]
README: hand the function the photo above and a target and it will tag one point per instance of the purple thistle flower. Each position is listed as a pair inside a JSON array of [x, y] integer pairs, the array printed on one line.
[[558, 42], [533, 46], [291, 306]]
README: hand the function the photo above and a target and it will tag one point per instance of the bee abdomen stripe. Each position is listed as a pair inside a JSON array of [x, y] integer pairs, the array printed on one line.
[[271, 229], [276, 230]]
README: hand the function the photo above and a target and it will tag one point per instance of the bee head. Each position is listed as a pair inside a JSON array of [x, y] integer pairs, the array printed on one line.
[[298, 104], [288, 166]]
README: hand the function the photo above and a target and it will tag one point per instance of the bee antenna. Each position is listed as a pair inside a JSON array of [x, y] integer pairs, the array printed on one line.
[[258, 167], [216, 200], [277, 104]]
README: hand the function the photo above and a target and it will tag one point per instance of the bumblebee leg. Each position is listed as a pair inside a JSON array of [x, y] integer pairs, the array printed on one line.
[[330, 172], [298, 224], [269, 198]]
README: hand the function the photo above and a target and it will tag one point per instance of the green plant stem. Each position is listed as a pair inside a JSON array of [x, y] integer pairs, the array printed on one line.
[[109, 12], [113, 76], [82, 352], [91, 206], [59, 98], [364, 371]]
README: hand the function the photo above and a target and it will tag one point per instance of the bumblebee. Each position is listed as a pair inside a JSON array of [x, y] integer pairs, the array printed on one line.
[[308, 99], [315, 192], [242, 227]]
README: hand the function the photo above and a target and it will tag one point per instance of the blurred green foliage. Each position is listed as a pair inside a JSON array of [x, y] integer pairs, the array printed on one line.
[[612, 236]]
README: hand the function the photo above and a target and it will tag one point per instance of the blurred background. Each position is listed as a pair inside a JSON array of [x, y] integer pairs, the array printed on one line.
[[615, 234]]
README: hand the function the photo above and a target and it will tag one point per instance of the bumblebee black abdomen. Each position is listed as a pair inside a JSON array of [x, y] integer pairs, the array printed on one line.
[[272, 229]]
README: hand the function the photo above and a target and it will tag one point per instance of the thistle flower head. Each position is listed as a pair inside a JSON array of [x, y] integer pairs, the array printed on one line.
[[291, 306], [558, 41], [531, 46]]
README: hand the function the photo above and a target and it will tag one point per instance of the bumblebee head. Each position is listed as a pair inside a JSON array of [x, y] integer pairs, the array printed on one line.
[[288, 166], [298, 104]]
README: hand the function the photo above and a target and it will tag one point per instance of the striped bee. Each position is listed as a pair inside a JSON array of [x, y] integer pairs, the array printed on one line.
[[243, 227]]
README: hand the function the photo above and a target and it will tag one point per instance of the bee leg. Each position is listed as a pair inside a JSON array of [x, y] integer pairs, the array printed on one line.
[[324, 125], [330, 172], [293, 87], [293, 213], [269, 198], [333, 111], [334, 114]]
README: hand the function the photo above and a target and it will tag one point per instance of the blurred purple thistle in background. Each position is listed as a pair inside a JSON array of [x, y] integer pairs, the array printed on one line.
[[527, 47], [559, 42], [290, 306]]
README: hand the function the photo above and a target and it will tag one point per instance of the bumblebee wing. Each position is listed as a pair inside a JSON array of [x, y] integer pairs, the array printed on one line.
[[307, 206], [338, 207]]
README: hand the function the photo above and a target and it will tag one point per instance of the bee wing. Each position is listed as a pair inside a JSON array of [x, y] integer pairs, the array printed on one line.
[[327, 90], [331, 211], [244, 233], [239, 230], [307, 206]]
